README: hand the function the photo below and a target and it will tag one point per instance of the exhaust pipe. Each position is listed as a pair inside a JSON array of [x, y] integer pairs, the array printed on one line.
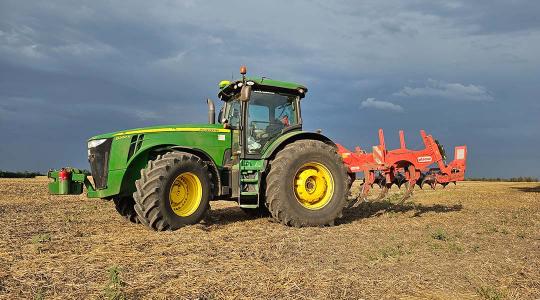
[[211, 111]]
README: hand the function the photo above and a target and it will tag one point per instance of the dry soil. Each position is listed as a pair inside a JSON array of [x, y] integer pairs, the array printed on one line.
[[475, 240]]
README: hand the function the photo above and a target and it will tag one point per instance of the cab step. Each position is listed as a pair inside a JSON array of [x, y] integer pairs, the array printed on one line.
[[249, 180], [249, 193], [249, 205]]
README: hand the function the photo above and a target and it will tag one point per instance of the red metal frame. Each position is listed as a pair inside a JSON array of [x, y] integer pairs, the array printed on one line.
[[413, 164]]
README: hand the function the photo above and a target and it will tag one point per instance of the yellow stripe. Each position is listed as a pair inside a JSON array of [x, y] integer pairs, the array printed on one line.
[[173, 129]]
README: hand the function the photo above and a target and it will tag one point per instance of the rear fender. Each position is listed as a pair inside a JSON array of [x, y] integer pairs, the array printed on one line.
[[293, 136]]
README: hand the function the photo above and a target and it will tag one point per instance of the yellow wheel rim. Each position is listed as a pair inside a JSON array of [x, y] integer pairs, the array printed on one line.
[[313, 185], [185, 194]]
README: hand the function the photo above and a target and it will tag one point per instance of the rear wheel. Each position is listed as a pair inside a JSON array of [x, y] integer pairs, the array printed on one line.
[[174, 190], [125, 207], [307, 184]]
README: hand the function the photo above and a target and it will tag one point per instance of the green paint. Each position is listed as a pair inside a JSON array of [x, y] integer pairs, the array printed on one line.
[[291, 136], [123, 171], [132, 149], [74, 183]]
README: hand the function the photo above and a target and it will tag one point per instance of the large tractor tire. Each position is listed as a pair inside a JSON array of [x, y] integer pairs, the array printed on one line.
[[125, 206], [307, 184], [174, 190]]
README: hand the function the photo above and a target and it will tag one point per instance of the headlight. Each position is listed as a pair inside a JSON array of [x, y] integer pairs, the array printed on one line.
[[95, 143]]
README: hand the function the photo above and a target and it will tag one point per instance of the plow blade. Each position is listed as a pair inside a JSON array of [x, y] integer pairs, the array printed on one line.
[[428, 179], [399, 180]]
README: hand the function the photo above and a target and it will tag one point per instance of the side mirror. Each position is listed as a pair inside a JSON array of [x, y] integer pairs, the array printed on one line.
[[245, 93], [220, 116]]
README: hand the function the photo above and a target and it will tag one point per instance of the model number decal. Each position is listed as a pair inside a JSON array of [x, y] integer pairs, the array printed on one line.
[[121, 137], [423, 159]]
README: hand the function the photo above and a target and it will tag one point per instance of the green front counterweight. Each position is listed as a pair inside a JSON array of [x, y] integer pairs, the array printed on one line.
[[72, 185], [63, 186]]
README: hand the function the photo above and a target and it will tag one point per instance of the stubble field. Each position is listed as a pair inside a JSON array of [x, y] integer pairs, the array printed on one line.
[[475, 240]]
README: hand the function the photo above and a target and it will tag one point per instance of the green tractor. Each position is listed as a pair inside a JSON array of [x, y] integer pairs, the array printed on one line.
[[256, 154]]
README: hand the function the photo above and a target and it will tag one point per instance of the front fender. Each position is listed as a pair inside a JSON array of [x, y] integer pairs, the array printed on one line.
[[140, 160]]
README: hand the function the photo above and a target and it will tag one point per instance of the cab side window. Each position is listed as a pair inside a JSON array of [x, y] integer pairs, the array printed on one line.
[[285, 114], [233, 115]]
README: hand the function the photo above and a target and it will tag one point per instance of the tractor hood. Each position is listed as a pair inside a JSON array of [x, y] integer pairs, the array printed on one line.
[[164, 128]]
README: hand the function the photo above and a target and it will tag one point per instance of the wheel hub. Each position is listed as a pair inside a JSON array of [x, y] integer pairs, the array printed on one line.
[[314, 185], [311, 185], [185, 194]]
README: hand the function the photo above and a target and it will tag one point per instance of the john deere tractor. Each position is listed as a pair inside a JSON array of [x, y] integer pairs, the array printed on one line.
[[256, 154]]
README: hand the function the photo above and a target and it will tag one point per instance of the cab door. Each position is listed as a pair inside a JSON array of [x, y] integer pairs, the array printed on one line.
[[233, 120]]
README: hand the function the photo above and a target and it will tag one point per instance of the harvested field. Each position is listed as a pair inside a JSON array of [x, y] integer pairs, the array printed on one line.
[[475, 240]]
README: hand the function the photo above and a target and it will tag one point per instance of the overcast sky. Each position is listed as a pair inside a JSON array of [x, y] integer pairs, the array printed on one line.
[[467, 72]]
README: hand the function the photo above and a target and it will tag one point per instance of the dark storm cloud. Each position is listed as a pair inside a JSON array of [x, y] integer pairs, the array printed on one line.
[[487, 16], [466, 71]]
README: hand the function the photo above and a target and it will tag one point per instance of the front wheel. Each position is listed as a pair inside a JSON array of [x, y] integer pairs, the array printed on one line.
[[174, 190], [307, 184]]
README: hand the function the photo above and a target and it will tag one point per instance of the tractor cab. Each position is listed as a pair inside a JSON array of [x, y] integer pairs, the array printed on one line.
[[259, 110]]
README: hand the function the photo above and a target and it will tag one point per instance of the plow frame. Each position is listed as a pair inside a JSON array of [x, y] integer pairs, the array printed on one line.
[[404, 166]]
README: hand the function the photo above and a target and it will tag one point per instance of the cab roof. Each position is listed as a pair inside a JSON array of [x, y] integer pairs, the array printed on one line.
[[263, 84]]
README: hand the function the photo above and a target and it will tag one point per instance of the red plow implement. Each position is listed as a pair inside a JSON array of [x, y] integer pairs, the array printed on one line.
[[404, 166]]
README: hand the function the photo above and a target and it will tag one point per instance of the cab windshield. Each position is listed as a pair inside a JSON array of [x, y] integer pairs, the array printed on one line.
[[268, 115]]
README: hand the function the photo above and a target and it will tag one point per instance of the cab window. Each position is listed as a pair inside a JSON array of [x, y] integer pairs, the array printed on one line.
[[268, 114], [233, 114]]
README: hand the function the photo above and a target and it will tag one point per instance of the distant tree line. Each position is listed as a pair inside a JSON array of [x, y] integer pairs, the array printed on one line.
[[27, 174], [512, 179], [24, 174]]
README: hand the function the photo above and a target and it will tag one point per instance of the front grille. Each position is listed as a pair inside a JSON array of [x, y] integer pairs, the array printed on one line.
[[99, 163]]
